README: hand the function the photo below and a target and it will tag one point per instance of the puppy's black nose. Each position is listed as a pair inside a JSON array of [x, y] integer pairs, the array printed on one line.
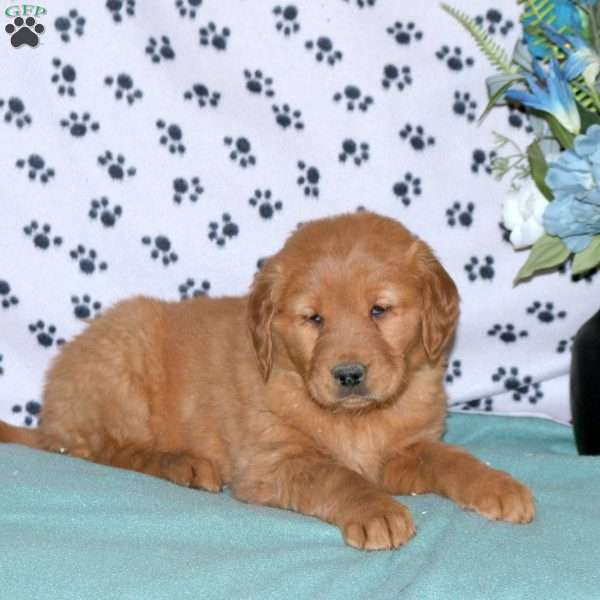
[[349, 374]]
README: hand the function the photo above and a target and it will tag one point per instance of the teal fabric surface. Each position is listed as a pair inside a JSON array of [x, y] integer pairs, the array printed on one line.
[[74, 530]]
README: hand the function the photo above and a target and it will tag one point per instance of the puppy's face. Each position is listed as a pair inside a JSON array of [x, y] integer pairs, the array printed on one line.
[[353, 305]]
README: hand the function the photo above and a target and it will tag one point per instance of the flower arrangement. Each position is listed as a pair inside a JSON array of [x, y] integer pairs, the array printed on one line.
[[553, 206]]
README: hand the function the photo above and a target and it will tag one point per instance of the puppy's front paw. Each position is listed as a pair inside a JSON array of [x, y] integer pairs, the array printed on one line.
[[381, 525], [499, 497]]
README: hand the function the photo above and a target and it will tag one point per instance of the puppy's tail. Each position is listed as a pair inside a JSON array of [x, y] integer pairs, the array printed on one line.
[[19, 435]]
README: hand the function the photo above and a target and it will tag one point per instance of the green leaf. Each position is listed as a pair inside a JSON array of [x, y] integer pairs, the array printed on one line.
[[494, 99], [587, 259], [565, 138], [548, 252], [538, 167], [587, 118]]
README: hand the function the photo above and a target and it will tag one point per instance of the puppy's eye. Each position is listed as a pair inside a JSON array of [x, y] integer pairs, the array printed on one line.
[[377, 311], [316, 319]]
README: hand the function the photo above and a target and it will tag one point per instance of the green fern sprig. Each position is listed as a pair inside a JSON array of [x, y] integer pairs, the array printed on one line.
[[492, 51]]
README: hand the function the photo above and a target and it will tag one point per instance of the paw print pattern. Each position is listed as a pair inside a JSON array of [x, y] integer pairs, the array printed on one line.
[[480, 269], [241, 151], [71, 24], [202, 95], [408, 187], [353, 151], [87, 260], [45, 334], [63, 78], [399, 77], [456, 214], [115, 166], [171, 137], [124, 87], [564, 346], [103, 211], [324, 50], [522, 388], [185, 189], [42, 235], [483, 161], [416, 136], [308, 179], [507, 333], [24, 32], [454, 58], [85, 307], [464, 105], [1, 367], [363, 3], [161, 248], [119, 8], [78, 126], [266, 206], [36, 168], [160, 50], [546, 313], [404, 34], [485, 404], [286, 19], [32, 411], [454, 371], [354, 98], [259, 83], [492, 22], [6, 298], [211, 36], [287, 117], [519, 118], [226, 230], [187, 8], [15, 112], [189, 290]]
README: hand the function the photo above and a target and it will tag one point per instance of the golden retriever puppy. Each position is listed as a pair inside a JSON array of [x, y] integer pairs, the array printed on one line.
[[320, 392]]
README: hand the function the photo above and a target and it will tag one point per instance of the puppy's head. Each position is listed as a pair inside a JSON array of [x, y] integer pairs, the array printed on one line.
[[353, 304]]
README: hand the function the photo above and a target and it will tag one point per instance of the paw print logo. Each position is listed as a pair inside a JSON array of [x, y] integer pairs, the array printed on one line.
[[308, 179], [171, 137], [226, 230], [408, 187], [454, 371], [483, 161], [124, 87], [36, 168], [210, 35], [507, 333], [399, 77], [72, 23], [354, 98], [161, 248], [6, 298], [286, 19], [87, 260], [353, 151], [324, 50], [103, 211], [189, 290], [287, 117], [241, 151], [416, 136], [202, 95], [78, 126], [85, 307], [259, 83], [32, 410], [463, 104], [404, 34], [185, 189], [492, 22], [115, 166], [119, 8], [483, 269], [15, 112], [24, 32], [546, 312], [187, 8], [266, 206], [159, 50], [45, 334], [454, 58], [522, 388], [63, 78], [456, 214], [41, 236]]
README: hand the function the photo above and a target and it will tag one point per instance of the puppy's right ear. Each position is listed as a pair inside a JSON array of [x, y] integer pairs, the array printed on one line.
[[261, 310]]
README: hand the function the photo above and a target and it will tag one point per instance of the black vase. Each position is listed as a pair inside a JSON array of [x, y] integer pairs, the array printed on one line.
[[585, 386]]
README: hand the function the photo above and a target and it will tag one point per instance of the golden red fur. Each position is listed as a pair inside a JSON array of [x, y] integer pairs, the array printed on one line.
[[320, 392]]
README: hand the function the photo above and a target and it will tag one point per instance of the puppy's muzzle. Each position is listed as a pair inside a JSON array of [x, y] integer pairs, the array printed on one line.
[[349, 375]]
